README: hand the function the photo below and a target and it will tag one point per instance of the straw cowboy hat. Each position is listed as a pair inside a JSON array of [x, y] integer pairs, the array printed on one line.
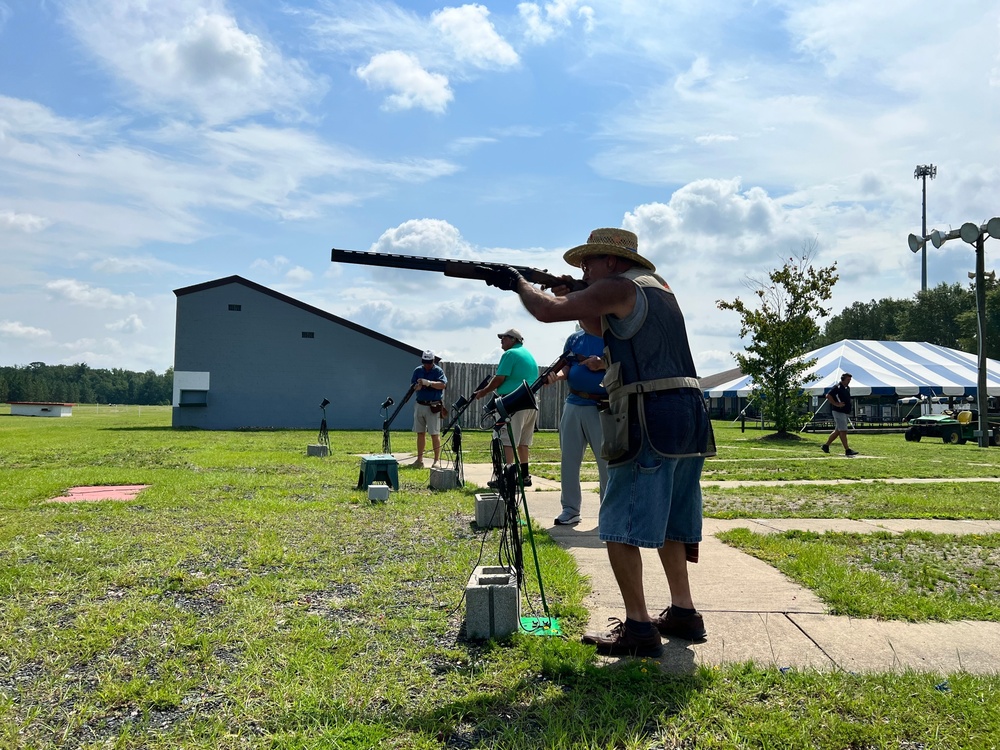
[[620, 242]]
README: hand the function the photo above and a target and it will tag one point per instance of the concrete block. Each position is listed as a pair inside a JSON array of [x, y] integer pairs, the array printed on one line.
[[318, 450], [444, 479], [492, 603], [490, 510], [378, 493]]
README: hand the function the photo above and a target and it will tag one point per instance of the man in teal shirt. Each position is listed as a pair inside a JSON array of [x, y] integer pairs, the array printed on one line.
[[516, 366]]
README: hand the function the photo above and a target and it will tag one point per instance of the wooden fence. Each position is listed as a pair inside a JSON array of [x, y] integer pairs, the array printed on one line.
[[463, 377]]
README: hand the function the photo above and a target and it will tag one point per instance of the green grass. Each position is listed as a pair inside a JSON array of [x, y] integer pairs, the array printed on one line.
[[251, 598], [911, 576]]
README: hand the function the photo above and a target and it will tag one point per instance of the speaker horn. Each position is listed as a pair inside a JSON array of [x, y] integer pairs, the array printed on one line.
[[517, 400], [916, 243]]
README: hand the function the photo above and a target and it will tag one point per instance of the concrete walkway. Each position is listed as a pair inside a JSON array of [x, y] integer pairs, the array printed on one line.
[[754, 613]]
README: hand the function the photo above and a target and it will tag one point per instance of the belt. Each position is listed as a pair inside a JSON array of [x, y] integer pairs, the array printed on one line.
[[591, 396], [428, 403]]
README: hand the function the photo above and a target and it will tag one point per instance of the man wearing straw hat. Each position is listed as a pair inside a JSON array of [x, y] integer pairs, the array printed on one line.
[[656, 429]]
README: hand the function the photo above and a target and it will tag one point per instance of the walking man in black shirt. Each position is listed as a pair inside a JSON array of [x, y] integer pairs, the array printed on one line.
[[840, 405]]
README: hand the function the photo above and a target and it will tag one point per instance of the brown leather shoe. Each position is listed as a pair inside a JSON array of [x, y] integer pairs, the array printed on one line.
[[690, 628], [622, 641]]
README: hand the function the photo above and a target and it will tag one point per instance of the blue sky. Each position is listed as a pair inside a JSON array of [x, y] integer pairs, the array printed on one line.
[[149, 146]]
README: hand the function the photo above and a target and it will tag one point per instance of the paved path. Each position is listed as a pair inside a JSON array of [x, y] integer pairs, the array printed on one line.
[[753, 612]]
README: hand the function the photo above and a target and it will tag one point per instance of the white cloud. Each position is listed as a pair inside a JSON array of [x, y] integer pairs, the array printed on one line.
[[136, 264], [20, 222], [276, 264], [708, 140], [18, 330], [105, 186], [414, 87], [191, 52], [432, 237], [84, 294], [132, 324], [473, 38], [299, 275], [542, 23]]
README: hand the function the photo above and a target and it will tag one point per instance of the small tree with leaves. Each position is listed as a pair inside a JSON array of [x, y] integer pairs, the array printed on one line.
[[780, 328]]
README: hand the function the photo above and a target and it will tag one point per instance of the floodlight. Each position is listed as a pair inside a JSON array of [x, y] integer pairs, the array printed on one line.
[[969, 232], [916, 243], [993, 227], [325, 403]]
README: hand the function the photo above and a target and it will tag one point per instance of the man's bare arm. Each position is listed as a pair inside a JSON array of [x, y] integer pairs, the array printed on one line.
[[611, 296]]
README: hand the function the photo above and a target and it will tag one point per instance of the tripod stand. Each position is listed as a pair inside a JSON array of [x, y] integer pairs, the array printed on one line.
[[324, 435], [387, 421]]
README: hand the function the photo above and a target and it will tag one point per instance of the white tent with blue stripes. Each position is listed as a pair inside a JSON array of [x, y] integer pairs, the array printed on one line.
[[885, 368]]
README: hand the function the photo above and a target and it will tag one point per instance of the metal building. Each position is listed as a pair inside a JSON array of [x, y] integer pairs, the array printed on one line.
[[248, 357]]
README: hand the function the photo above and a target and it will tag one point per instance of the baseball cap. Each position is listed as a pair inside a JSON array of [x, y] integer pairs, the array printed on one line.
[[427, 356], [513, 333]]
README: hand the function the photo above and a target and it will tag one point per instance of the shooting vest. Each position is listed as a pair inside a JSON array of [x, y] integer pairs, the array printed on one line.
[[655, 360]]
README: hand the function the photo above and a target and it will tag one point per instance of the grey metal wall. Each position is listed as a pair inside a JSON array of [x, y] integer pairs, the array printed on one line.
[[264, 374]]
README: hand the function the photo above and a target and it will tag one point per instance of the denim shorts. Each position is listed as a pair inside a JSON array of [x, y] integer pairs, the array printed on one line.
[[651, 500]]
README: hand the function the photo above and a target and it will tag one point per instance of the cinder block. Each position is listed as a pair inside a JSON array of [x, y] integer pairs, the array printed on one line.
[[492, 604], [489, 510], [378, 493], [318, 450], [444, 479]]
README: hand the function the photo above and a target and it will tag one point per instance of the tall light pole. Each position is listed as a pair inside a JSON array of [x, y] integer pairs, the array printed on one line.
[[922, 172], [975, 235]]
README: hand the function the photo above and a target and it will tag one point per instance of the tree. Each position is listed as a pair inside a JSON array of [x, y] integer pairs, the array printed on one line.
[[780, 331], [878, 320], [934, 316]]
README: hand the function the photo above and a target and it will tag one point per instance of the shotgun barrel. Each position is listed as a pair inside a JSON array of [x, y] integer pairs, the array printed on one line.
[[462, 269]]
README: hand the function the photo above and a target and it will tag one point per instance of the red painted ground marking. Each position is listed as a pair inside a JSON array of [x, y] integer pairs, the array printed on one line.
[[107, 492]]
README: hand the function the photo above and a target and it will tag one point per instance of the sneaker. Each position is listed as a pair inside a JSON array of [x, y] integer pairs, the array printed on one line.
[[527, 481], [418, 464], [624, 642], [568, 518], [825, 448], [436, 464], [850, 452], [493, 484], [690, 628]]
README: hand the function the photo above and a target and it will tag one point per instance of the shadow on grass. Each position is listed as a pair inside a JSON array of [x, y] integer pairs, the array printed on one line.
[[569, 704]]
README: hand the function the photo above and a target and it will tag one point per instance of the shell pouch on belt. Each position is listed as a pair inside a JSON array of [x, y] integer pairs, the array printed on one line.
[[614, 419]]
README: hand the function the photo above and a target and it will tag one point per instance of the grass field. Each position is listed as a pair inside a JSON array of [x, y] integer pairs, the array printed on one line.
[[251, 598]]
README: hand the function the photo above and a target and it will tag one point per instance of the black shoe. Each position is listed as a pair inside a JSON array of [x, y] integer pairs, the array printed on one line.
[[690, 627], [825, 448], [622, 641], [527, 481], [850, 452], [493, 484]]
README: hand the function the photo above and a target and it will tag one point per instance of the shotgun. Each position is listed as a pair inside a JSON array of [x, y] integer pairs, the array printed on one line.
[[461, 269]]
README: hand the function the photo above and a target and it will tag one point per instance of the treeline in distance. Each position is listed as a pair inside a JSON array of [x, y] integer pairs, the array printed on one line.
[[80, 384]]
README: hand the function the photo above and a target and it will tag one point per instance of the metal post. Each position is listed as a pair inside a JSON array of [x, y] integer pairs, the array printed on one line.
[[923, 233], [981, 395], [922, 172]]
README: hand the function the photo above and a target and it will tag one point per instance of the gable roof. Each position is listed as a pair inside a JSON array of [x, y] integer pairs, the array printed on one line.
[[901, 368], [299, 304]]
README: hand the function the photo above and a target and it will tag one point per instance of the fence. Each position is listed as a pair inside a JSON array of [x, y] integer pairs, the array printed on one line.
[[463, 377]]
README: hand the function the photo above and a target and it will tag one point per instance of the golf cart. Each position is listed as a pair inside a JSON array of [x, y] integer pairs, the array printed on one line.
[[956, 426]]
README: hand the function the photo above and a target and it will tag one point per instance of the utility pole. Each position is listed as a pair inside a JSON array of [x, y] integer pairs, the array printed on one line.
[[922, 172]]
